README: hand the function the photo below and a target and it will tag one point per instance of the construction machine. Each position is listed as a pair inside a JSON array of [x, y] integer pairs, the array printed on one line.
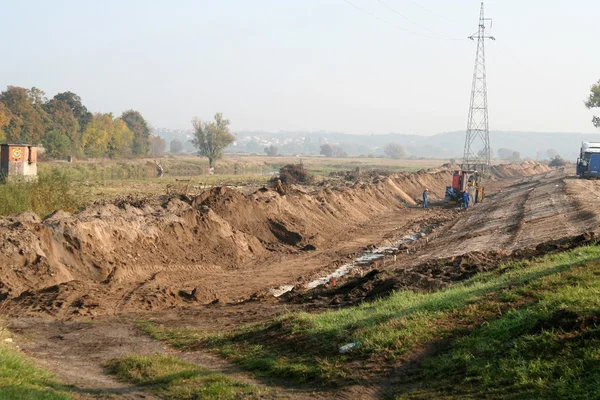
[[464, 181]]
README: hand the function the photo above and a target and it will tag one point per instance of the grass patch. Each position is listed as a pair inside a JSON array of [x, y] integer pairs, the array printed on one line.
[[172, 378], [548, 349], [304, 347], [52, 191], [21, 379]]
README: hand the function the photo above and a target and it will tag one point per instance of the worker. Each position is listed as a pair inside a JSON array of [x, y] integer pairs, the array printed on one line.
[[425, 196], [466, 199]]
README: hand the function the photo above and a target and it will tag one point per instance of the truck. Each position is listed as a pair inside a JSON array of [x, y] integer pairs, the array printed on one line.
[[588, 163]]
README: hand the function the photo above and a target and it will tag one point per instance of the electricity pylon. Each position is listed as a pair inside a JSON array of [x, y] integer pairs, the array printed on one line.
[[477, 142]]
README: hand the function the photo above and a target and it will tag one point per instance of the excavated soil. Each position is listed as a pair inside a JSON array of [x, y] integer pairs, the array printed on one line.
[[222, 246]]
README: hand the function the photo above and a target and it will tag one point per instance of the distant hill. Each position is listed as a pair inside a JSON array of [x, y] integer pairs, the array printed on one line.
[[534, 145]]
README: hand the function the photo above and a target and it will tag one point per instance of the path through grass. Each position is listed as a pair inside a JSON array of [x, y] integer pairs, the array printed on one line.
[[505, 328]]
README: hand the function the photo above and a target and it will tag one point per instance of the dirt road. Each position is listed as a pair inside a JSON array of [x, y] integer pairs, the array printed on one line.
[[531, 211]]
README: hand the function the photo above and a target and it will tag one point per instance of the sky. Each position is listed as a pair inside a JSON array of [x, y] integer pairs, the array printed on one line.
[[310, 65]]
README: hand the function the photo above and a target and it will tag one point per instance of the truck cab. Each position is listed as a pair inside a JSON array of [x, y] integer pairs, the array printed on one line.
[[588, 163]]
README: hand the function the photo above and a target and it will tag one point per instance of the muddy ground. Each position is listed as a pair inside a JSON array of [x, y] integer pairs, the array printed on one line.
[[74, 284]]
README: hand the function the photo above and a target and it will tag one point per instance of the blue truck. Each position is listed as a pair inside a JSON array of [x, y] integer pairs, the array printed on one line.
[[588, 163]]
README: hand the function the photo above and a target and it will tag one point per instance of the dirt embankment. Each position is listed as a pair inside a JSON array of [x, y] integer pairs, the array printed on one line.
[[112, 246], [159, 252]]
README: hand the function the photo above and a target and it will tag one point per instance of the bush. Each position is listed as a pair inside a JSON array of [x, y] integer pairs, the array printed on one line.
[[52, 191], [558, 161], [294, 174]]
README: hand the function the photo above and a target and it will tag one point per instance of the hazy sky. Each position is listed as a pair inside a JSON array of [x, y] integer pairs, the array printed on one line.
[[309, 64]]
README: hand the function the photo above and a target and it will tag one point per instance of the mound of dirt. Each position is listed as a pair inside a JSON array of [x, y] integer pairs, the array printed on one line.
[[527, 168], [151, 253]]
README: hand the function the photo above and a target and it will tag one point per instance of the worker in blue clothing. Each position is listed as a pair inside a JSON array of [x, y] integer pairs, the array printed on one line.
[[425, 197], [466, 199]]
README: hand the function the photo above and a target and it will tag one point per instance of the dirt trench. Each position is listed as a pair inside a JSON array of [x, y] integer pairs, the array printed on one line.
[[159, 252]]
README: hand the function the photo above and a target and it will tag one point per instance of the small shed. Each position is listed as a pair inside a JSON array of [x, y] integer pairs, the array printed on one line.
[[18, 162]]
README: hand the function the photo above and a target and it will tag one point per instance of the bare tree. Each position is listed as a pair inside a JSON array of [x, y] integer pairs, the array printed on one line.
[[394, 150]]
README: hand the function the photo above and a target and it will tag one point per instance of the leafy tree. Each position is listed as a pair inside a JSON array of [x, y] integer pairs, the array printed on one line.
[[394, 150], [107, 136], [505, 154], [516, 156], [80, 112], [210, 138], [121, 139], [5, 117], [62, 121], [176, 146], [552, 153], [326, 150], [141, 132], [272, 150], [56, 144], [37, 96], [593, 101], [27, 122], [97, 135], [558, 161], [338, 151], [158, 145]]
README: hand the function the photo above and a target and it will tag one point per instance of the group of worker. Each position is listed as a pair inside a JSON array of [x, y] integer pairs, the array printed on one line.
[[466, 199]]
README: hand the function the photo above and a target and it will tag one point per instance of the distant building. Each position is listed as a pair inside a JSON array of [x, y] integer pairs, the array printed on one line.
[[18, 162]]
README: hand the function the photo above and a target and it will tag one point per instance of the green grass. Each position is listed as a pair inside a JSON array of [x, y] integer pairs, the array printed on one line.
[[547, 349], [52, 191], [172, 378], [489, 318], [20, 379]]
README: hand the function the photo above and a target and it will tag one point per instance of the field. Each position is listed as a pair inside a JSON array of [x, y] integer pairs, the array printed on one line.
[[106, 179], [221, 286]]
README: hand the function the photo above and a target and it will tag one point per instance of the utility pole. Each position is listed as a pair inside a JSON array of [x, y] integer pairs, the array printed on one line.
[[477, 142]]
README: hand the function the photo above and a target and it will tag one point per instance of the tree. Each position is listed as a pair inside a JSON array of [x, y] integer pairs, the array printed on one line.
[[516, 156], [96, 136], [37, 96], [141, 132], [552, 153], [5, 117], [593, 101], [121, 139], [211, 138], [326, 150], [27, 122], [107, 136], [80, 112], [62, 122], [505, 154], [176, 146], [338, 151], [158, 145], [272, 150], [56, 144], [394, 150]]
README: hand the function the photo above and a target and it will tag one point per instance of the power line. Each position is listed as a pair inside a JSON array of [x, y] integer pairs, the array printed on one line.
[[389, 23], [413, 22], [431, 12]]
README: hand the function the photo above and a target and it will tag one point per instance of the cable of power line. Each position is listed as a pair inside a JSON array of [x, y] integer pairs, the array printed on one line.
[[390, 23], [431, 12], [413, 22]]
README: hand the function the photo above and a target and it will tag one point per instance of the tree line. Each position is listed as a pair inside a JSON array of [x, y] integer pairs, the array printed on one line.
[[65, 127]]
